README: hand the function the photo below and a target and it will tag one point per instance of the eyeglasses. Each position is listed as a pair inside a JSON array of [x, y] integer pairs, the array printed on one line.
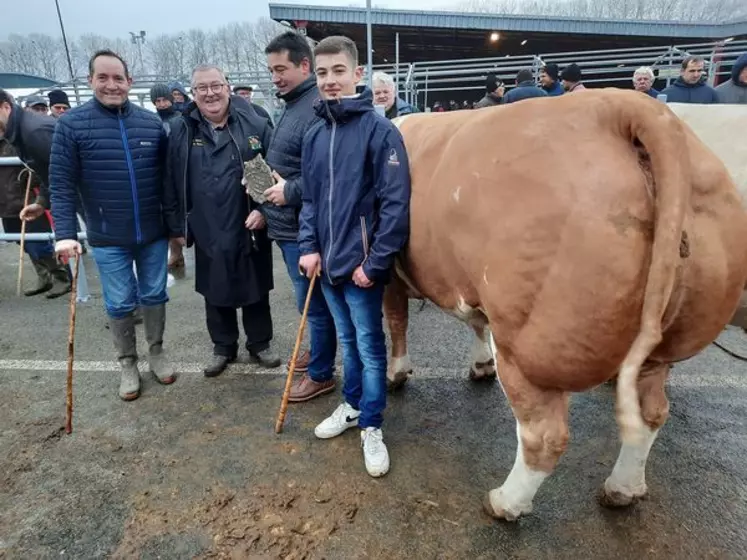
[[202, 89]]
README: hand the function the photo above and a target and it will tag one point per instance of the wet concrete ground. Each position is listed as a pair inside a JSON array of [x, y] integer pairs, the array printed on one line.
[[196, 470]]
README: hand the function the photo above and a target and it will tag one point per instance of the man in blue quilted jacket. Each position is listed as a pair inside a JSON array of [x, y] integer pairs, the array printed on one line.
[[112, 153]]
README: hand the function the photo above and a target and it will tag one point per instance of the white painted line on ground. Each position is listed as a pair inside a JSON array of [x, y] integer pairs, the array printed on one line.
[[60, 366]]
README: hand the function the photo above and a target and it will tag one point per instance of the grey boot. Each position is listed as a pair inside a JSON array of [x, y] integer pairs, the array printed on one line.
[[62, 281], [44, 278], [123, 334], [154, 321]]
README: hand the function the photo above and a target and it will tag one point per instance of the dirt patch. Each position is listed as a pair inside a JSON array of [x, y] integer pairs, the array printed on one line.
[[290, 522]]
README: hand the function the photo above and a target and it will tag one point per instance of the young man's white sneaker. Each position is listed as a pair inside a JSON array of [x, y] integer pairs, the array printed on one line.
[[375, 452], [344, 417]]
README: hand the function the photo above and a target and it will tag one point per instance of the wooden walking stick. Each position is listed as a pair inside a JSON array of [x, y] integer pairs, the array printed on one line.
[[71, 348], [23, 231], [292, 367]]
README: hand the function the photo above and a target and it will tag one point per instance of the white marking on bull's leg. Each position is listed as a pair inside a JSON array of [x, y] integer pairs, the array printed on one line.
[[515, 496], [627, 482], [401, 364], [455, 195], [397, 121], [482, 361]]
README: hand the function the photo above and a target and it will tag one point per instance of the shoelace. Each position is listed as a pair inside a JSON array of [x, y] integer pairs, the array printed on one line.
[[374, 441]]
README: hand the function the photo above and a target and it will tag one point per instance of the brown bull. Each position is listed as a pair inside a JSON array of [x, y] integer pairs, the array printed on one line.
[[614, 244]]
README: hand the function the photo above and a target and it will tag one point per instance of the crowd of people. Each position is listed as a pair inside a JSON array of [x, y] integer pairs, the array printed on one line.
[[337, 208], [150, 184]]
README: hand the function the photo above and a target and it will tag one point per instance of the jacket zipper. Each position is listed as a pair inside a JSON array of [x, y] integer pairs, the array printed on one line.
[[186, 169], [133, 184], [331, 191], [364, 235]]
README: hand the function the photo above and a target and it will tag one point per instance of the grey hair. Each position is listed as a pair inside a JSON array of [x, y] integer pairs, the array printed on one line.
[[644, 70], [207, 68], [384, 79]]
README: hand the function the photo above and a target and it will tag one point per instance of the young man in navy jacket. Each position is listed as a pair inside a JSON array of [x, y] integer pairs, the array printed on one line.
[[354, 219]]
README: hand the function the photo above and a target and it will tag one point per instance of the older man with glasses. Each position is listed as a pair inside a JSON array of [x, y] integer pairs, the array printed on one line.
[[209, 208]]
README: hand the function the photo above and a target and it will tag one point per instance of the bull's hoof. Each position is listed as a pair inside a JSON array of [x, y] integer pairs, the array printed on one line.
[[611, 497], [397, 381], [492, 506], [483, 371]]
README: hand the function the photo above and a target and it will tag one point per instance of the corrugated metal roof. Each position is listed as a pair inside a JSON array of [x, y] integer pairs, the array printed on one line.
[[547, 24]]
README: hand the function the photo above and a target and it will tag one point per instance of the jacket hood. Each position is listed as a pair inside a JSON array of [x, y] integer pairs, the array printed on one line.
[[341, 110], [739, 65], [297, 92], [178, 87]]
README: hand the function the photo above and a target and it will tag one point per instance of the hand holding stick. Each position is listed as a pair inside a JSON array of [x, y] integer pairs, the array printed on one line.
[[71, 348], [23, 232]]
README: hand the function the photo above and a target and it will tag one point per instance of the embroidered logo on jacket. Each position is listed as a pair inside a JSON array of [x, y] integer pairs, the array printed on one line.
[[255, 144], [393, 159]]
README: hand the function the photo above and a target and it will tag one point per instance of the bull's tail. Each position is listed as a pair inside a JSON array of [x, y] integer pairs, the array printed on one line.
[[661, 134]]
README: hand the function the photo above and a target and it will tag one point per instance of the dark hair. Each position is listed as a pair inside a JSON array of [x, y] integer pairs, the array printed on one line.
[[689, 59], [296, 44], [5, 97], [337, 44], [524, 75], [107, 52]]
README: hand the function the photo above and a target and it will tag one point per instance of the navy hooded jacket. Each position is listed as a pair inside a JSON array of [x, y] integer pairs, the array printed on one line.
[[115, 157], [524, 90], [356, 190], [682, 92]]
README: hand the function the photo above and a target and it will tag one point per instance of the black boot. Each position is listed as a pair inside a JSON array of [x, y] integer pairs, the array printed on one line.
[[61, 277], [217, 365], [44, 278]]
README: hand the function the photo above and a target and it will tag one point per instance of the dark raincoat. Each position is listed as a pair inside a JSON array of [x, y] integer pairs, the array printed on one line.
[[207, 204]]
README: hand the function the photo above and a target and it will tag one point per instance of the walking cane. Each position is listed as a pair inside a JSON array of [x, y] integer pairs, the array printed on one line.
[[71, 348], [292, 367], [23, 231]]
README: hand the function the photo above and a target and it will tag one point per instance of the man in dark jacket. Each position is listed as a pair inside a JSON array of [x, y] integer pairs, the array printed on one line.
[[246, 91], [549, 79], [494, 92], [289, 59], [735, 90], [691, 86], [208, 207], [643, 81], [525, 88], [180, 97], [29, 136], [354, 220], [385, 95], [109, 152]]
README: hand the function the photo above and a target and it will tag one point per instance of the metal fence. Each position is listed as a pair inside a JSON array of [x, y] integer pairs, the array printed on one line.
[[428, 80]]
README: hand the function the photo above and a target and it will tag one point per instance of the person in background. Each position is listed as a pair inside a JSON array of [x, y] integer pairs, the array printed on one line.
[[386, 96], [494, 92], [291, 65], [179, 96], [643, 81], [525, 88], [691, 86], [735, 90], [549, 80], [207, 206], [571, 78], [247, 91], [354, 220], [52, 277], [110, 153], [37, 104], [58, 102]]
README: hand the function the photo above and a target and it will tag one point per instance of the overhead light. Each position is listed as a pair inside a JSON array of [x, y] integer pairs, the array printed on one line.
[[524, 42], [729, 40], [494, 36]]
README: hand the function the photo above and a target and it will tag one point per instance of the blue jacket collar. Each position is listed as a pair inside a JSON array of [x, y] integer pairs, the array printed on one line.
[[341, 110], [124, 109]]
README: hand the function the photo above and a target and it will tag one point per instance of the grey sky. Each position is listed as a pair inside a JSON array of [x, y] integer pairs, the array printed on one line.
[[154, 16]]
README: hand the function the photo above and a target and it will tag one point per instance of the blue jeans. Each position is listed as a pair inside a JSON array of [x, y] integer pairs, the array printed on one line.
[[123, 293], [321, 325], [359, 320]]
